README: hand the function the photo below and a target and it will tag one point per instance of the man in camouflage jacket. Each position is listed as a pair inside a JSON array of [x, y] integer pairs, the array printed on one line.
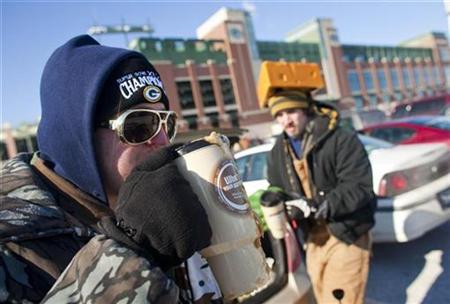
[[100, 214]]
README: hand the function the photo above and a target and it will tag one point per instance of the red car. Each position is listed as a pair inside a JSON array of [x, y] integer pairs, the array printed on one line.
[[412, 130]]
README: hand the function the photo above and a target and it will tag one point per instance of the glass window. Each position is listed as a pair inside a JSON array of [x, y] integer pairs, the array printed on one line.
[[185, 93], [258, 167], [3, 151], [227, 91], [443, 52], [207, 92], [179, 46], [21, 145], [234, 118], [436, 76], [447, 75], [200, 46], [406, 79], [393, 135], [158, 46], [373, 100], [353, 81], [368, 80], [214, 119], [191, 120], [382, 79], [417, 78], [242, 164], [394, 77], [427, 75], [33, 142], [359, 103]]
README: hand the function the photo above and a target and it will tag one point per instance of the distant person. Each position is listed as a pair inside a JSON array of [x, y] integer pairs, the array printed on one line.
[[328, 170], [101, 213]]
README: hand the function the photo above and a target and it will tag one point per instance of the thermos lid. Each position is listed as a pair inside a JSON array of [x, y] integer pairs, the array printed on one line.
[[192, 146]]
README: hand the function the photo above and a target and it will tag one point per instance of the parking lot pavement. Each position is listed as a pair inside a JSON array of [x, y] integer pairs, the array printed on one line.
[[413, 272]]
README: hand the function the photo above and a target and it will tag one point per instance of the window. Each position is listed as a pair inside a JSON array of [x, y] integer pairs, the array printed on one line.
[[393, 135], [436, 76], [192, 121], [179, 46], [381, 79], [253, 167], [242, 164], [394, 78], [158, 46], [368, 80], [234, 118], [21, 145], [214, 119], [417, 79], [353, 81], [443, 52], [3, 151], [207, 92], [428, 76], [406, 79], [398, 95], [227, 91], [447, 75], [359, 103], [373, 100], [200, 46], [185, 93]]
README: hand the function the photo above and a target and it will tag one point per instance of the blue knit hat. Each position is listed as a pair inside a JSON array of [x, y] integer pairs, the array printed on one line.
[[72, 83]]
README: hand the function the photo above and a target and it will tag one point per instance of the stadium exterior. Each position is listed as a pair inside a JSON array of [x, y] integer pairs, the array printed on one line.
[[211, 80]]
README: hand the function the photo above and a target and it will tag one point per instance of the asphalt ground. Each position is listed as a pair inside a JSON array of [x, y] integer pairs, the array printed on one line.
[[414, 272]]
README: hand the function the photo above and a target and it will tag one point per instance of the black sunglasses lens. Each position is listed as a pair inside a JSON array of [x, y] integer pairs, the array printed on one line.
[[140, 126], [171, 125]]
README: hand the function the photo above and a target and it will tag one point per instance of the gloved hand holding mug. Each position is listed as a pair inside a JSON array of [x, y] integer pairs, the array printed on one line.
[[303, 207], [159, 212]]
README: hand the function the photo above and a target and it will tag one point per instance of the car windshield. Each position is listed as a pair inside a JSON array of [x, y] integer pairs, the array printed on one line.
[[434, 122], [371, 143], [253, 167]]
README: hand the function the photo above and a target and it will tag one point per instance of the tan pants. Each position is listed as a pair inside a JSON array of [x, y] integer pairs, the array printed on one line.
[[332, 265]]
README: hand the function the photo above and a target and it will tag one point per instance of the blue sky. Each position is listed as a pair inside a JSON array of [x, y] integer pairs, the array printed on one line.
[[31, 30]]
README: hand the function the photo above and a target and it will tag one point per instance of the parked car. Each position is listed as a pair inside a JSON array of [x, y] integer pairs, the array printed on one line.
[[427, 106], [357, 120], [411, 130], [412, 183]]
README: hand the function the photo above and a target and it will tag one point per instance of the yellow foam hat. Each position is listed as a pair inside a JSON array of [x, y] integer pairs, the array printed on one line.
[[297, 76]]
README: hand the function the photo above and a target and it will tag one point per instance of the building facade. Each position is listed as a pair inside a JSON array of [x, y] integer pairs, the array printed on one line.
[[211, 80]]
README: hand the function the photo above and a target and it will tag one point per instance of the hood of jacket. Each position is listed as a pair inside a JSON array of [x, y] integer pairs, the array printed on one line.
[[71, 84]]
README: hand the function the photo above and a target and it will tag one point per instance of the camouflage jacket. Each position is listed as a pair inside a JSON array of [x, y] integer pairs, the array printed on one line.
[[50, 251]]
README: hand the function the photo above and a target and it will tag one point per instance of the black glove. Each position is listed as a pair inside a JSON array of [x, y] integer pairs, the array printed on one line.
[[159, 211], [322, 210], [300, 208]]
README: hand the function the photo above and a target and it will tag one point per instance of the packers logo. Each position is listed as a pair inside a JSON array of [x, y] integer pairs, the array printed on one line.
[[152, 93]]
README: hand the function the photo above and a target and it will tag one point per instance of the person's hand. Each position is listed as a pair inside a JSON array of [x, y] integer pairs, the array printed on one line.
[[158, 210], [300, 208]]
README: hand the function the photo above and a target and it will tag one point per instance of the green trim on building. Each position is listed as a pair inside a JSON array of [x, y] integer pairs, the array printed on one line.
[[289, 51], [364, 52], [179, 50]]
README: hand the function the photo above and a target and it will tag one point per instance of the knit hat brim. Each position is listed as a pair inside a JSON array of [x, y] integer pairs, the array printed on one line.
[[288, 100]]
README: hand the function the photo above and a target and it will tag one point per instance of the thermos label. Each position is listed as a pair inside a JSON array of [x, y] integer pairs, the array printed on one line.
[[228, 184]]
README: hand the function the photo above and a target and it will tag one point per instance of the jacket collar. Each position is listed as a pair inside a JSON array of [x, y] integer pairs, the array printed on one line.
[[81, 205]]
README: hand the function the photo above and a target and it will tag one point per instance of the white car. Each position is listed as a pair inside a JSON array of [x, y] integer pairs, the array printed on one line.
[[412, 183]]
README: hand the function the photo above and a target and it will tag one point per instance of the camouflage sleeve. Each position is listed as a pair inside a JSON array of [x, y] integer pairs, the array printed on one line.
[[104, 271]]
